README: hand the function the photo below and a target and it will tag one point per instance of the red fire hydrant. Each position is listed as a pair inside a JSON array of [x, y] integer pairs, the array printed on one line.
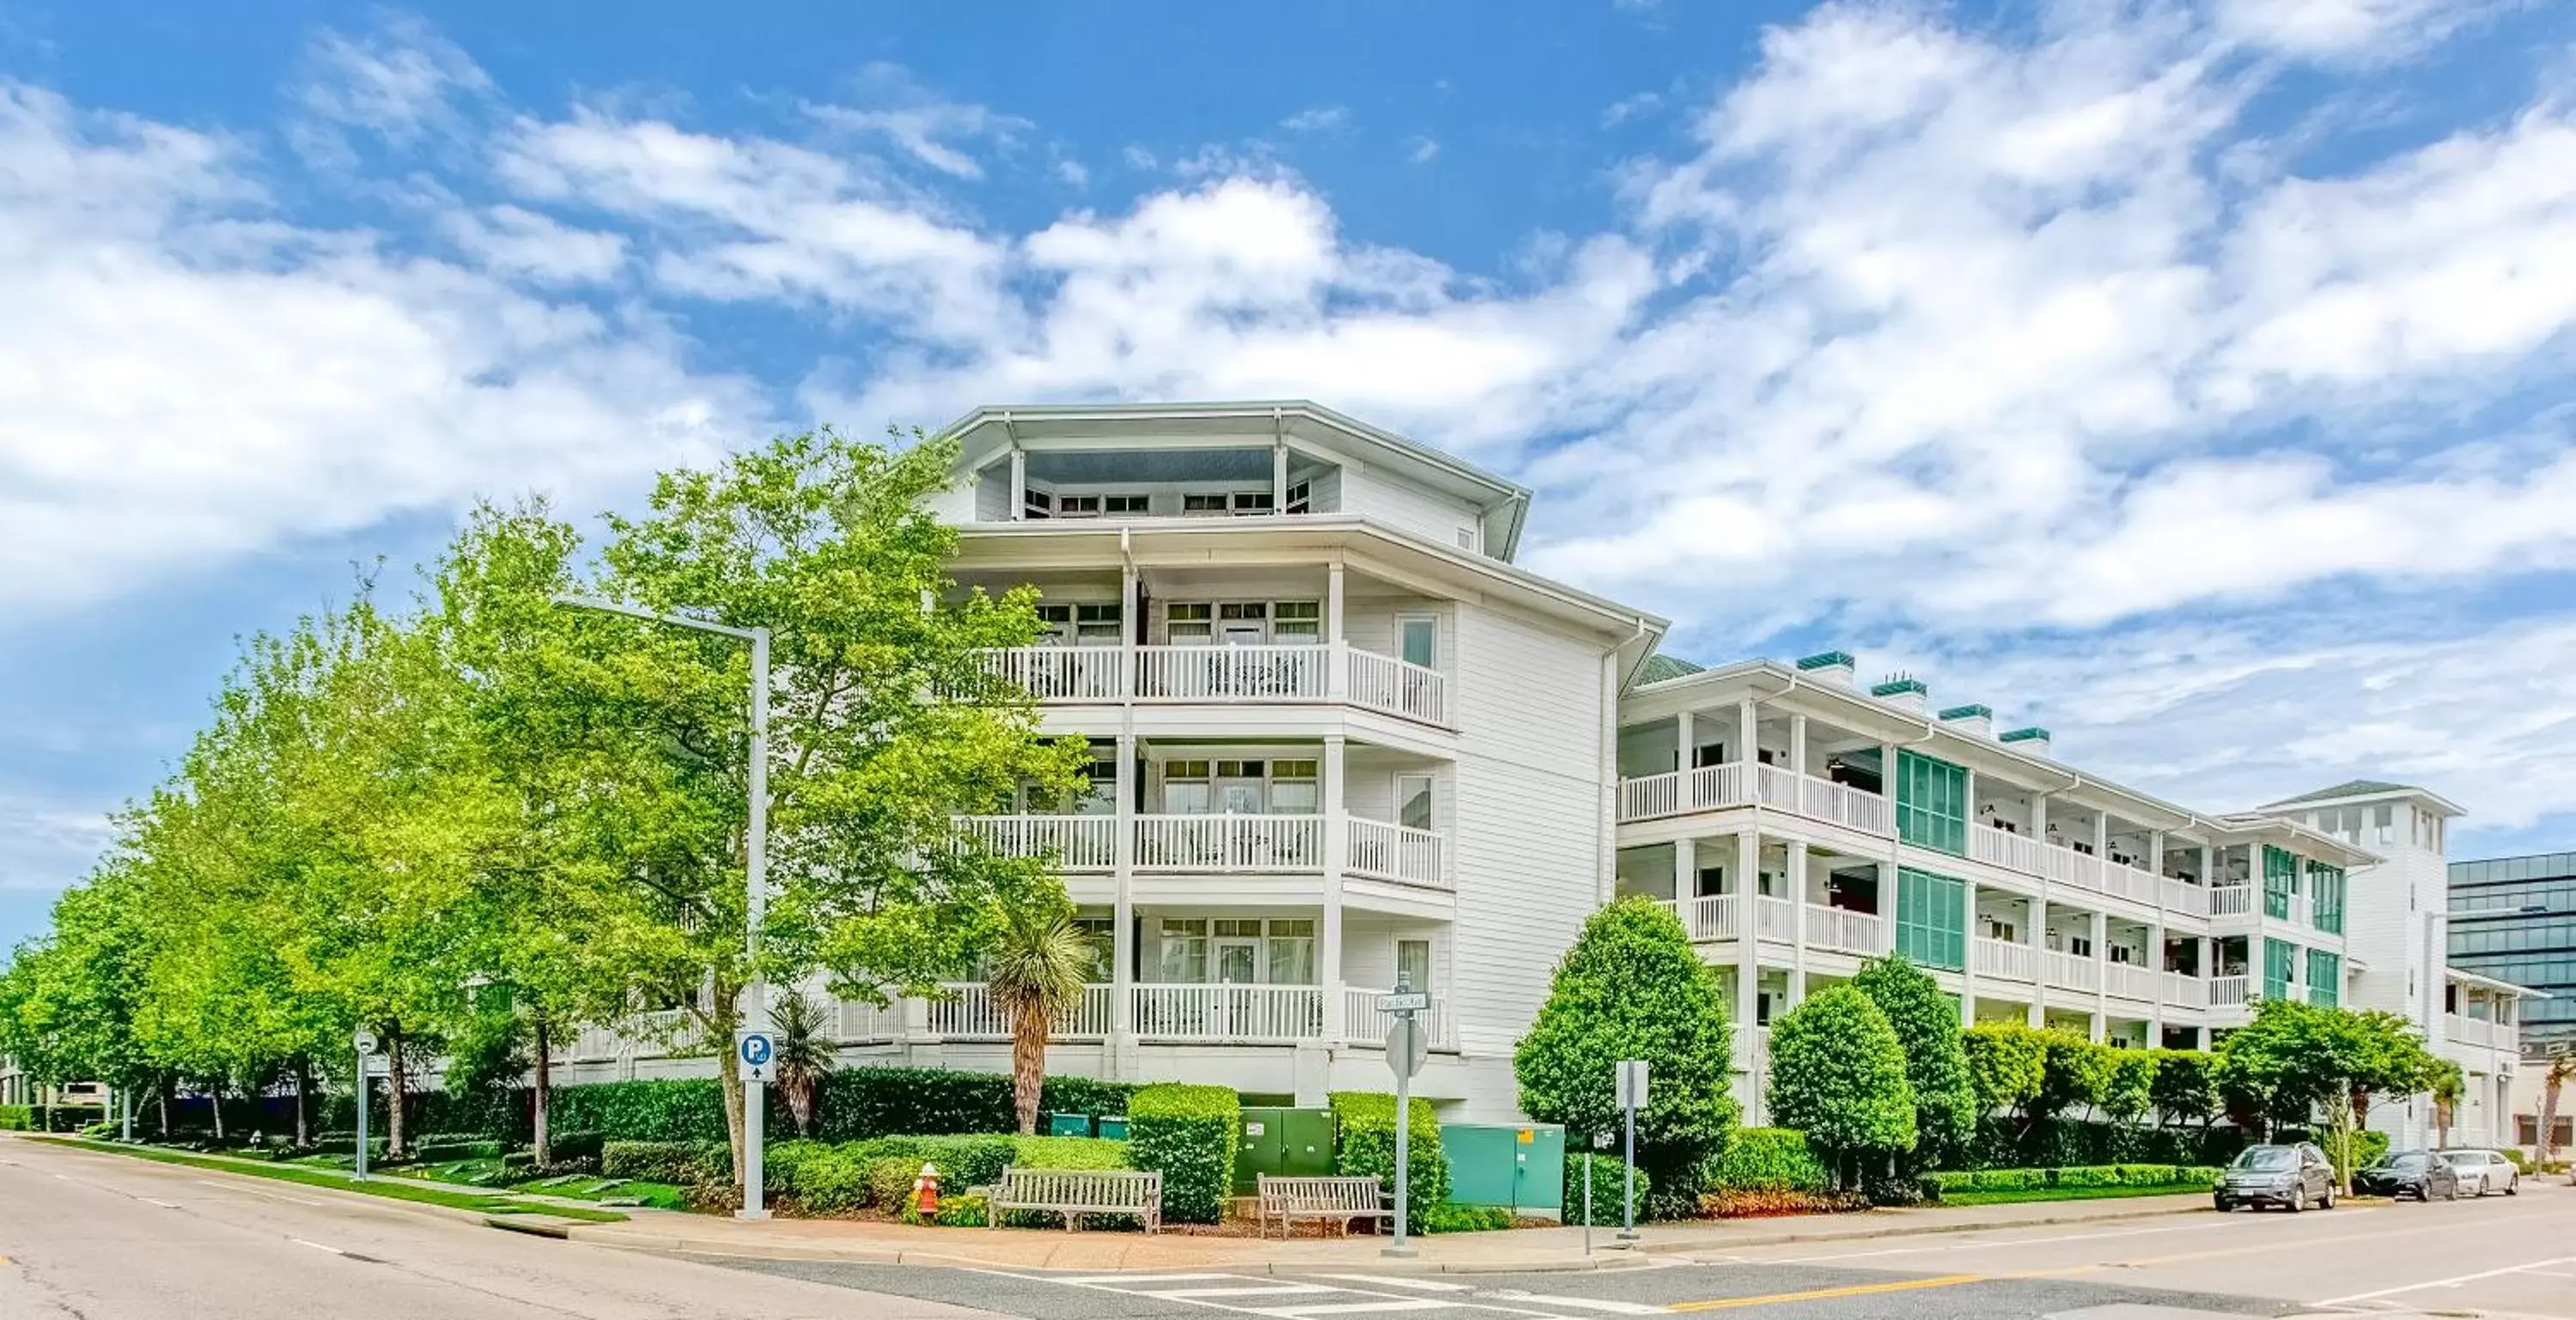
[[925, 1190]]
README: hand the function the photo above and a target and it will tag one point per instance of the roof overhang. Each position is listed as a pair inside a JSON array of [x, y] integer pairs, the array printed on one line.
[[2507, 988], [988, 433], [2398, 793]]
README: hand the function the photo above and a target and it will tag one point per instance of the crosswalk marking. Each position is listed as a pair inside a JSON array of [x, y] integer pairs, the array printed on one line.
[[1121, 1280], [1289, 1299], [1278, 1289], [1371, 1307], [1610, 1305], [1426, 1285]]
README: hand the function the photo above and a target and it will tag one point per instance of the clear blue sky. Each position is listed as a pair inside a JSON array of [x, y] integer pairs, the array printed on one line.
[[2188, 377]]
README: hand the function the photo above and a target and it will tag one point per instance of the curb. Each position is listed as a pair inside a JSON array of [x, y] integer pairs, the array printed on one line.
[[1917, 1230], [590, 1236]]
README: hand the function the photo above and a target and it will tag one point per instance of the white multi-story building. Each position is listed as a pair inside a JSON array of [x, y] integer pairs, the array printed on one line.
[[1340, 742], [2400, 944]]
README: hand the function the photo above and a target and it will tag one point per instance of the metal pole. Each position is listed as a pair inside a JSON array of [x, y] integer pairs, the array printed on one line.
[[1587, 1202], [125, 1110], [1403, 1146], [362, 1116], [1628, 1190], [756, 907]]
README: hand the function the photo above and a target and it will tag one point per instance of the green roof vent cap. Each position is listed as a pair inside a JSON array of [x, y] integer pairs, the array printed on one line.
[[1968, 712], [2033, 734], [1827, 660], [1902, 685]]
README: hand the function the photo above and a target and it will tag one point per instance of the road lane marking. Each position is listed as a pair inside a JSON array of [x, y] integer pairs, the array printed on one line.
[[1279, 1289], [1116, 1283], [166, 1205], [319, 1246], [1995, 1245], [1609, 1305], [1112, 1280], [260, 1191], [2452, 1282], [1822, 1294], [1426, 1285], [1372, 1306]]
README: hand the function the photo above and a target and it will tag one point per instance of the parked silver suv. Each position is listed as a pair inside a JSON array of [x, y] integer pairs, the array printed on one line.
[[2484, 1171], [2292, 1177]]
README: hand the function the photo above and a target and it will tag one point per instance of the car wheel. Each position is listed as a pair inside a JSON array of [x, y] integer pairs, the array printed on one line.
[[2328, 1203], [2513, 1185], [2223, 1204], [2298, 1200], [2454, 1193]]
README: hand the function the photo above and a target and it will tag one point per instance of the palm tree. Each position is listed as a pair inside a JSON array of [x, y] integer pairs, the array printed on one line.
[[2447, 1086], [1035, 972], [2562, 1066], [804, 1055]]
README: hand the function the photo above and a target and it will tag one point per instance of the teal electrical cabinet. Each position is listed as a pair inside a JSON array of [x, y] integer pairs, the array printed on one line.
[[1517, 1166]]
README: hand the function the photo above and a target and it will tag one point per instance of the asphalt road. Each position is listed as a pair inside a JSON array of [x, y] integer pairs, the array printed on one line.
[[87, 1236]]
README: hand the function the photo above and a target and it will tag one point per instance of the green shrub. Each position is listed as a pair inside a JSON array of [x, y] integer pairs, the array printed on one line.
[[18, 1118], [1188, 1134], [681, 1163], [685, 1109], [440, 1152], [1364, 1147], [1447, 1218], [1768, 1160], [1068, 1153], [1633, 987], [576, 1147], [966, 1210], [853, 1104], [966, 1161], [1926, 1021], [831, 1180], [890, 1182], [1838, 1075], [1607, 1173], [2179, 1177]]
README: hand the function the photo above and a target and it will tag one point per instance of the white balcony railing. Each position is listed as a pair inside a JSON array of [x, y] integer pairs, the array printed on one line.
[[1845, 930], [967, 1010], [2186, 991], [1385, 683], [2004, 958], [1396, 852], [1063, 673], [1649, 796], [1713, 917], [858, 1022], [2229, 991], [1363, 1024], [1225, 674], [1774, 918], [1823, 799], [2231, 900], [1258, 1013], [2121, 880], [2072, 972], [1076, 843], [2468, 1030], [2184, 897], [1713, 787], [1229, 843], [2129, 981]]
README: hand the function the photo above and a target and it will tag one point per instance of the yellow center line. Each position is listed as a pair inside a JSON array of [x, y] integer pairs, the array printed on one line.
[[1821, 1294]]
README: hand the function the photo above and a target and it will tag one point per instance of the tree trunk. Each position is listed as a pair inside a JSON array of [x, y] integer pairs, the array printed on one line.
[[720, 1023], [215, 1101], [544, 1093], [393, 1095], [303, 1084], [162, 1096], [1028, 1064], [2546, 1144]]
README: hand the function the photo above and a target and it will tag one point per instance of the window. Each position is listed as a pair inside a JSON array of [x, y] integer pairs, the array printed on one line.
[[1418, 637], [1189, 623], [1291, 951], [1297, 623], [1293, 790], [1185, 787], [1202, 506], [1413, 963], [2279, 956], [1181, 952], [2080, 945], [1096, 625], [1931, 802], [1238, 787], [2280, 881], [1466, 538], [1125, 504], [2325, 977], [1036, 504], [1078, 506], [2384, 825], [1243, 622], [2325, 897], [1057, 624], [1251, 501], [1102, 932], [1413, 801], [1234, 954], [1931, 919], [1298, 498]]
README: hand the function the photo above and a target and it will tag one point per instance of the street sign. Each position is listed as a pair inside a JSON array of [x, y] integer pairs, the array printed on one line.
[[1405, 1048], [1632, 1084], [758, 1055], [378, 1065], [367, 1042], [1404, 1001]]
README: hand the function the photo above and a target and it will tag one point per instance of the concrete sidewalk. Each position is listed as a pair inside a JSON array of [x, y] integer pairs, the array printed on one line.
[[1517, 1251]]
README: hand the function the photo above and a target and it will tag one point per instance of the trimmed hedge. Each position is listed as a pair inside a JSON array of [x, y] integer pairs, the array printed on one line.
[[1767, 1160], [1188, 1134], [1607, 1172], [1364, 1147], [853, 1104], [827, 1178], [49, 1118], [680, 1163], [2063, 1143], [2177, 1176], [440, 1152], [18, 1118]]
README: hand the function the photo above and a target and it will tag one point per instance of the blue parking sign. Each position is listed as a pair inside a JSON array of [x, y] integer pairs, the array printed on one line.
[[755, 1050]]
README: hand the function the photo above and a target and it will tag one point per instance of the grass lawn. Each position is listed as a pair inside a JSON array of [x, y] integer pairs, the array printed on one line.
[[2068, 1194], [393, 1189]]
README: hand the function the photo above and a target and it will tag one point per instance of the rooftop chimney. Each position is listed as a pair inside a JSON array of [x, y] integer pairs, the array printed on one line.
[[1904, 690], [2033, 739], [1834, 667], [1976, 721]]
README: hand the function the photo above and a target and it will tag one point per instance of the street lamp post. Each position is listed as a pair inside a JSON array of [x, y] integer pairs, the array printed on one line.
[[756, 879]]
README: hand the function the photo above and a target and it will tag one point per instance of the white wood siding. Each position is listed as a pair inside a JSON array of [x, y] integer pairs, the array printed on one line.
[[1401, 504]]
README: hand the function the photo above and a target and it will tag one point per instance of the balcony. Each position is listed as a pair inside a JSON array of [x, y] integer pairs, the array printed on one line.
[[1715, 787], [1227, 675], [2230, 991], [2004, 958], [1192, 1013], [967, 1010], [2231, 901], [2481, 1032], [2065, 865], [1838, 930], [2129, 981], [2186, 991], [2069, 971], [1220, 844]]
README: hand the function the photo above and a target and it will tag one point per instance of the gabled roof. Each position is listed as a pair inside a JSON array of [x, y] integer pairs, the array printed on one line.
[[2365, 788], [1659, 667]]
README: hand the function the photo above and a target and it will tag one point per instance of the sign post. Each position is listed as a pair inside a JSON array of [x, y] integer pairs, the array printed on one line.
[[1404, 1050], [755, 1054], [367, 1045], [1632, 1097]]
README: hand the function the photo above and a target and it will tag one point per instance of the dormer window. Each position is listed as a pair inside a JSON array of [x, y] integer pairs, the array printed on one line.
[[1203, 506], [1123, 504], [1078, 506], [1036, 504], [1251, 501], [1298, 501]]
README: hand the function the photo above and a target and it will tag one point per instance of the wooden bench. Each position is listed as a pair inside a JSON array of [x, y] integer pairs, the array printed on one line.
[[1343, 1199], [1071, 1192]]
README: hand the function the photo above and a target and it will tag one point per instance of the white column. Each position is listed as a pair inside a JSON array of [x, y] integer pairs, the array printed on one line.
[[1130, 627], [1797, 744], [1336, 849], [2037, 1014], [1796, 869], [2101, 970], [1685, 878], [1338, 667], [1019, 484], [1685, 733], [2039, 817], [2102, 835], [1122, 858], [1748, 956], [1968, 962], [1746, 739], [2156, 981], [1278, 480]]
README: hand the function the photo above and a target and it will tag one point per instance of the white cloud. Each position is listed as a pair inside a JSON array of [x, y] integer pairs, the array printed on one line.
[[1422, 149], [47, 841], [511, 241], [1318, 119], [928, 128], [1631, 107], [190, 380], [400, 82], [2343, 28], [1072, 173]]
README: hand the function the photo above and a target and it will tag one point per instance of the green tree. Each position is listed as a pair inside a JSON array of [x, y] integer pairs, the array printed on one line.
[[2184, 1090], [2297, 1060], [1838, 1075], [804, 1055], [2130, 1088], [2007, 1063], [1926, 1020], [2446, 1086], [1036, 970], [1632, 987], [2077, 1073]]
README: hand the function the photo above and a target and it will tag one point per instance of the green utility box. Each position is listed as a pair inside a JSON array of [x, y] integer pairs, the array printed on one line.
[[1068, 1125], [1283, 1143], [1517, 1166], [1113, 1126]]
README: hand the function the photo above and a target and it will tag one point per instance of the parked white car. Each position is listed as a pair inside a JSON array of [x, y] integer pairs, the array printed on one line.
[[2484, 1171]]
